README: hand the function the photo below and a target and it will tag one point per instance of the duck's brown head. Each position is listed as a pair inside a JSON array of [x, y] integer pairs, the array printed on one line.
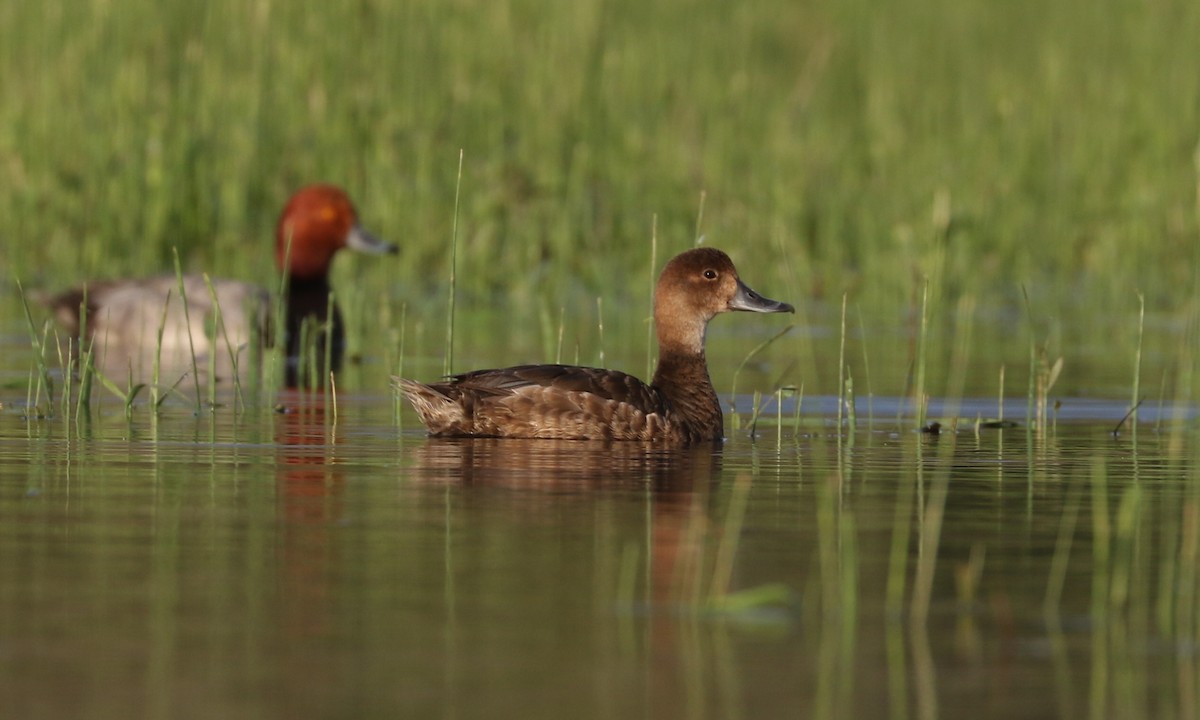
[[695, 286], [318, 221]]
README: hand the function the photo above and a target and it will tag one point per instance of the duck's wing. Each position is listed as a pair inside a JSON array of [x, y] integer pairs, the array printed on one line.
[[610, 384], [541, 401]]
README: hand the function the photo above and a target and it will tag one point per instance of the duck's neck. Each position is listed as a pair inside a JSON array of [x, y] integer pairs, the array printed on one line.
[[682, 378], [308, 303]]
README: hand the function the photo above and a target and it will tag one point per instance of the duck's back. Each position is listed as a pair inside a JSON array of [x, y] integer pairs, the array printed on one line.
[[543, 401], [123, 320]]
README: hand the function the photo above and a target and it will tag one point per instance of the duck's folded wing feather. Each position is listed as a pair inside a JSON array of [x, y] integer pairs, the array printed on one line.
[[610, 385]]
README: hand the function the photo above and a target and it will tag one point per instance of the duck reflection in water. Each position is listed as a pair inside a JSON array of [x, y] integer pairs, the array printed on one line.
[[518, 463], [675, 535], [310, 490]]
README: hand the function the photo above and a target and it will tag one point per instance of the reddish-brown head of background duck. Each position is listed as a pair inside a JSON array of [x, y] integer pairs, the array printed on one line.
[[318, 221]]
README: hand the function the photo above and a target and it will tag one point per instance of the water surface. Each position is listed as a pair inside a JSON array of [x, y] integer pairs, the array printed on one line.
[[290, 564]]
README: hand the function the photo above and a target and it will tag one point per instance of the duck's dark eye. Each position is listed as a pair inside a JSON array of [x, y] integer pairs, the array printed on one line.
[[710, 274]]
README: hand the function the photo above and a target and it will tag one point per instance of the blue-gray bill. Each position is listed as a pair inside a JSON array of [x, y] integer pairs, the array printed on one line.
[[747, 299]]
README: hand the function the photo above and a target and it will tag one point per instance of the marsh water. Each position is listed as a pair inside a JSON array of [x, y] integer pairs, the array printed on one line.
[[302, 559]]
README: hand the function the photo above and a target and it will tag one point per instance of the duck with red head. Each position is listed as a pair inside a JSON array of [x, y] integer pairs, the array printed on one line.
[[123, 316], [678, 407], [317, 222]]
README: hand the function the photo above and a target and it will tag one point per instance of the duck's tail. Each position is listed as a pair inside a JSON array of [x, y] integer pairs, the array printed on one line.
[[438, 412]]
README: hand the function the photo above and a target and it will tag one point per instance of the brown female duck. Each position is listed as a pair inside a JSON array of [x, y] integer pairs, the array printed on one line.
[[566, 402]]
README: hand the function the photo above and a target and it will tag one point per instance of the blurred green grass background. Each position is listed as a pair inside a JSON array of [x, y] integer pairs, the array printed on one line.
[[839, 147]]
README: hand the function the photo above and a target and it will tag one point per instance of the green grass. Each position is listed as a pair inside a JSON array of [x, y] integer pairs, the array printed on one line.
[[832, 147]]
